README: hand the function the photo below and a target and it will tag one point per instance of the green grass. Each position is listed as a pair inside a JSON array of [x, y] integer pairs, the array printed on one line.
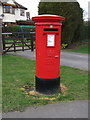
[[82, 49], [79, 48], [28, 42], [18, 71]]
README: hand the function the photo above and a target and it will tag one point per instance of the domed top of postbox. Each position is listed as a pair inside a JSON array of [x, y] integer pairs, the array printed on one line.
[[48, 18]]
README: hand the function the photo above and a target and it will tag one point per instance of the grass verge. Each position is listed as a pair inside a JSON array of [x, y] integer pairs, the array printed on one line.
[[18, 71], [79, 47]]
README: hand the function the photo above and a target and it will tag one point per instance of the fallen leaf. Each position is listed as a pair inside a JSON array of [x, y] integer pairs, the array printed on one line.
[[22, 89], [63, 88], [32, 93], [26, 93], [46, 98], [26, 86]]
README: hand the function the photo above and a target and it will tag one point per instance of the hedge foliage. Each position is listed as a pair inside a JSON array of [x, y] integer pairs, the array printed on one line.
[[84, 31], [18, 28], [73, 25]]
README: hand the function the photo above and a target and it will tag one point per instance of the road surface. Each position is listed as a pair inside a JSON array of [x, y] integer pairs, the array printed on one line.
[[72, 59]]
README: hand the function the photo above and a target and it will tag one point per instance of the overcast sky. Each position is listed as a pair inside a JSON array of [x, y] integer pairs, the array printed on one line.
[[32, 6]]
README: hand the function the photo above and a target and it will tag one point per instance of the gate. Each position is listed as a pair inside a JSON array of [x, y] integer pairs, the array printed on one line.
[[18, 41]]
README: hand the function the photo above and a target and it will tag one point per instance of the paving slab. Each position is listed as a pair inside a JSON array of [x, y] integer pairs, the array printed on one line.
[[73, 109]]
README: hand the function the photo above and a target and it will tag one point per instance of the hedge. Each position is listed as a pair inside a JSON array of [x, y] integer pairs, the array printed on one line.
[[18, 29]]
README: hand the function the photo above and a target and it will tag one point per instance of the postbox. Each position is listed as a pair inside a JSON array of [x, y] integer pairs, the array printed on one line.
[[48, 40]]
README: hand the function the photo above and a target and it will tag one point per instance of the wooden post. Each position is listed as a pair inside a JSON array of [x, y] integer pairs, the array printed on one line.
[[14, 41], [22, 43], [3, 42], [32, 45], [1, 48]]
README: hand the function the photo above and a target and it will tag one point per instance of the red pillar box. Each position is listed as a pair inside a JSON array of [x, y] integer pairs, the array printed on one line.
[[48, 40]]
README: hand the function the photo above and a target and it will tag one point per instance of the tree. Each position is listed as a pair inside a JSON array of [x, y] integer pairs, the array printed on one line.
[[74, 18]]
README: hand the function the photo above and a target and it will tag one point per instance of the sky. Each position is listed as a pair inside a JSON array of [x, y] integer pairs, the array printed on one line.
[[32, 6]]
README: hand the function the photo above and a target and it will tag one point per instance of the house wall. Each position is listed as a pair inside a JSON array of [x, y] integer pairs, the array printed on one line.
[[1, 11], [17, 15], [12, 17], [8, 17]]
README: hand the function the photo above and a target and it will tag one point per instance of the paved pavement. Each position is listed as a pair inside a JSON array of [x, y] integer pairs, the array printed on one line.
[[77, 60], [73, 109]]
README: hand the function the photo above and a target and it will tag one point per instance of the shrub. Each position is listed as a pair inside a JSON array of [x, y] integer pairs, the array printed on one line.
[[72, 26], [18, 29]]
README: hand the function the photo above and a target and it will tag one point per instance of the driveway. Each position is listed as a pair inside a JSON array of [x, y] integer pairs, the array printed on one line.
[[76, 60]]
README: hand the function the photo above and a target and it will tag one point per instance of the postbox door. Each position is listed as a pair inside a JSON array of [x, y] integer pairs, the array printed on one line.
[[52, 52], [52, 56]]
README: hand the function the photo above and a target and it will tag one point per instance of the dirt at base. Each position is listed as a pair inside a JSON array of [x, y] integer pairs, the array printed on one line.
[[31, 92]]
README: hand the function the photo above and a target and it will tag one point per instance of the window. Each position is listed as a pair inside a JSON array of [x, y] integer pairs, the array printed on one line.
[[8, 9], [22, 12], [13, 10]]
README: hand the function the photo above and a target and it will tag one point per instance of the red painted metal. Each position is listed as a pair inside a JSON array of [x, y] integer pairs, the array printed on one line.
[[48, 40]]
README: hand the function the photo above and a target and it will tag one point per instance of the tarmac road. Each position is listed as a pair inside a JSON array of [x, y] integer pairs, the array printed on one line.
[[72, 59], [76, 60]]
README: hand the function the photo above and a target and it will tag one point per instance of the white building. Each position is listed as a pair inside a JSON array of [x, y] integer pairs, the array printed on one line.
[[11, 11]]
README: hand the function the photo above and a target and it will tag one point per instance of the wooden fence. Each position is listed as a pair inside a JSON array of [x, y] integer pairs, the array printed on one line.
[[18, 41]]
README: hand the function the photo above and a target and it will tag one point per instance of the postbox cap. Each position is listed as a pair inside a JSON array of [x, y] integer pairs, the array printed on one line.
[[48, 18]]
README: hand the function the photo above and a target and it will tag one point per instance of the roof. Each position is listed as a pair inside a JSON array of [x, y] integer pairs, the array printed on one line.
[[28, 22], [17, 4]]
